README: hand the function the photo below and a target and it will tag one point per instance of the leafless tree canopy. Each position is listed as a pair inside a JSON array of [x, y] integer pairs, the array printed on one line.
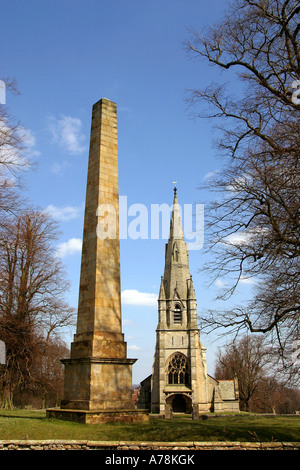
[[253, 224], [32, 288], [13, 154], [262, 387]]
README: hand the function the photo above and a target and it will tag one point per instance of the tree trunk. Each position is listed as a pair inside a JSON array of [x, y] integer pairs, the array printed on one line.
[[6, 398]]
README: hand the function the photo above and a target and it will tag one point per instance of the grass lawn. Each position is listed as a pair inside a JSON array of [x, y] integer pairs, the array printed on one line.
[[31, 424]]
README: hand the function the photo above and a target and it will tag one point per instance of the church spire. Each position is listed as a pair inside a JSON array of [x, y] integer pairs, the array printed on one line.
[[177, 261], [176, 231]]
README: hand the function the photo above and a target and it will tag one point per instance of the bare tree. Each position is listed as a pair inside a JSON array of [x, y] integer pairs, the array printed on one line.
[[253, 225], [48, 372], [245, 360], [262, 386], [14, 158], [32, 289], [269, 396]]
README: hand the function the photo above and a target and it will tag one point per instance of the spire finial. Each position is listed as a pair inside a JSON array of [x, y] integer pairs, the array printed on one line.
[[175, 189]]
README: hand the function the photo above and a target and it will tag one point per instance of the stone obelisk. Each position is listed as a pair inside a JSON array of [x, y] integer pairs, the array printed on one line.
[[98, 375]]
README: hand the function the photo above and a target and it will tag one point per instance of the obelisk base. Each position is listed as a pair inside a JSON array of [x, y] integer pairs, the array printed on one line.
[[98, 417], [98, 390]]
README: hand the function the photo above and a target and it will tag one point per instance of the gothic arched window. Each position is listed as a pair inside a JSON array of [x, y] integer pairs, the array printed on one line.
[[178, 370]]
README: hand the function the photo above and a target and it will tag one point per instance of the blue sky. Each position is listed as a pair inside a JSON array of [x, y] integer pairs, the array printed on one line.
[[68, 54]]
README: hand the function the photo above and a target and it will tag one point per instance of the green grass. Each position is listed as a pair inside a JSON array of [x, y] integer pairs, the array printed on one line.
[[30, 424]]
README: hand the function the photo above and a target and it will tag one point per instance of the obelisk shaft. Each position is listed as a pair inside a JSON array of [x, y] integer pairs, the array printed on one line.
[[99, 330], [99, 296]]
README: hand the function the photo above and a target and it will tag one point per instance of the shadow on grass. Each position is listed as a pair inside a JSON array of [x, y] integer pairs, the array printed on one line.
[[28, 414], [21, 417]]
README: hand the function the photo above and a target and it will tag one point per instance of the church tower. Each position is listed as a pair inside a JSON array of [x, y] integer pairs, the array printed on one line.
[[179, 381], [179, 377]]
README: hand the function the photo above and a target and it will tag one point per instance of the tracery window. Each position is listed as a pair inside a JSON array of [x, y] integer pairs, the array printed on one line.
[[178, 370]]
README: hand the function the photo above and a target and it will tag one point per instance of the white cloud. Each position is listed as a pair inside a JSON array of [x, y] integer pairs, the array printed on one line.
[[27, 137], [243, 280], [134, 347], [239, 183], [134, 297], [10, 155], [220, 283], [63, 213], [72, 246], [247, 280], [127, 322], [245, 237], [58, 168], [29, 141], [67, 132], [238, 239], [210, 174]]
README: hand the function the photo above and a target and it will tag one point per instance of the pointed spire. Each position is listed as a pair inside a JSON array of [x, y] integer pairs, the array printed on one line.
[[176, 231], [162, 294], [191, 290]]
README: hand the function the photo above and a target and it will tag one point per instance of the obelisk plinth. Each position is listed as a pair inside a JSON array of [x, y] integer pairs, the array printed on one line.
[[98, 375]]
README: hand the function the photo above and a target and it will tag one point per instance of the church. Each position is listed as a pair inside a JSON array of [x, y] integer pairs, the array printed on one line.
[[179, 381]]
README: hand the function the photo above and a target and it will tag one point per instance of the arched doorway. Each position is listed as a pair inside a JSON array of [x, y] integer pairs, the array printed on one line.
[[178, 404]]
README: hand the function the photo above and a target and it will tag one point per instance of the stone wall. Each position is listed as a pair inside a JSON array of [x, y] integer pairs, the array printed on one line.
[[137, 445]]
